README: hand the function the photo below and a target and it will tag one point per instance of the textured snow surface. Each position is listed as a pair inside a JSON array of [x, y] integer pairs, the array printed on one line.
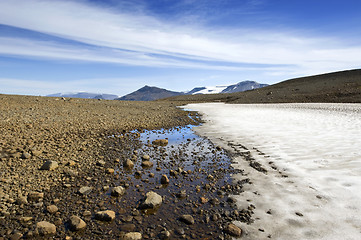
[[318, 148]]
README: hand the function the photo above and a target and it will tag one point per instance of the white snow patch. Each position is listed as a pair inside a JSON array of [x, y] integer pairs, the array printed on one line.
[[211, 90], [318, 146]]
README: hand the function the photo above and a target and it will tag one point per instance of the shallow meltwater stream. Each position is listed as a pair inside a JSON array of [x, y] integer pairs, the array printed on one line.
[[199, 175], [189, 175]]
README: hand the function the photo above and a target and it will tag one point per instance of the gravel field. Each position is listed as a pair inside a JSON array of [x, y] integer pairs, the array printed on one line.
[[91, 169], [72, 133]]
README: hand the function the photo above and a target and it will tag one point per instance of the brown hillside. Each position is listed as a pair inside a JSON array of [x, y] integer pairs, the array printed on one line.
[[343, 87]]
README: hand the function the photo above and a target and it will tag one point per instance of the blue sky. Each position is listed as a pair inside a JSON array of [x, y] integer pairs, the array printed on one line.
[[115, 46]]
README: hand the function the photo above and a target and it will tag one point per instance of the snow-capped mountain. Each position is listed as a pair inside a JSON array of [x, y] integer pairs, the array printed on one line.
[[207, 90], [239, 87], [243, 86], [85, 95]]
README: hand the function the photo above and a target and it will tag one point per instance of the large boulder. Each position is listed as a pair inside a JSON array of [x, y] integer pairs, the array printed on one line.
[[45, 228], [152, 200], [132, 236], [76, 223], [118, 191]]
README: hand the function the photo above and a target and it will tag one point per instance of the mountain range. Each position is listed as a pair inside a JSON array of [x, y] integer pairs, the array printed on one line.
[[148, 93], [239, 87], [85, 95]]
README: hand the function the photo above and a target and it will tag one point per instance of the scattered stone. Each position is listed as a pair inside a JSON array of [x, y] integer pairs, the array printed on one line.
[[36, 153], [70, 172], [210, 177], [85, 190], [299, 214], [49, 165], [22, 200], [164, 179], [128, 164], [233, 230], [182, 194], [110, 171], [52, 209], [26, 155], [160, 142], [146, 157], [179, 231], [147, 164], [187, 219], [152, 200], [118, 191], [165, 234], [76, 223], [214, 201], [71, 163], [203, 200], [128, 227], [26, 219], [100, 163], [16, 236], [87, 213], [45, 228], [35, 196], [132, 236], [106, 216]]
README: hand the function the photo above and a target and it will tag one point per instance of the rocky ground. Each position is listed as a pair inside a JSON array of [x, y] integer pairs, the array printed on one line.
[[77, 169]]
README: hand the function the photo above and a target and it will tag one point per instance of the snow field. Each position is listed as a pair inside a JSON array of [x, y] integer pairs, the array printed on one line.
[[318, 148]]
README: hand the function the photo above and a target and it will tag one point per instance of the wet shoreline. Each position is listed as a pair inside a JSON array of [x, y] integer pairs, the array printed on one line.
[[200, 181]]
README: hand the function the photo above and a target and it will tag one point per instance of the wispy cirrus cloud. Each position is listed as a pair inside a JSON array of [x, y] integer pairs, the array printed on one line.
[[144, 40]]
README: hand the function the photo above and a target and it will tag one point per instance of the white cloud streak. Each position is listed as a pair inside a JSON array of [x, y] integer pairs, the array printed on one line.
[[145, 35], [38, 87]]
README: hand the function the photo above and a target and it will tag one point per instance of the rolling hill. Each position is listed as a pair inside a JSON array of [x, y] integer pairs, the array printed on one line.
[[148, 93], [343, 86]]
